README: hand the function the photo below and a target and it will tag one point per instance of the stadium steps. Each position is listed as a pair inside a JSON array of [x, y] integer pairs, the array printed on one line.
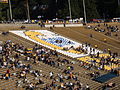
[[93, 85], [115, 80], [47, 70]]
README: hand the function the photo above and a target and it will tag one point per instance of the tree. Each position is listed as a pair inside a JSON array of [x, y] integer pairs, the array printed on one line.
[[118, 9], [91, 9], [18, 9], [107, 9], [76, 9], [50, 9], [4, 11]]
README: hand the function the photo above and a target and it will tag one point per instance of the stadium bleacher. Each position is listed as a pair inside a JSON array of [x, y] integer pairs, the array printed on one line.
[[59, 64]]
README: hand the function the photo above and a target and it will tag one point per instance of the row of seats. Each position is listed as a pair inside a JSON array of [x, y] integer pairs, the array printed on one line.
[[90, 60]]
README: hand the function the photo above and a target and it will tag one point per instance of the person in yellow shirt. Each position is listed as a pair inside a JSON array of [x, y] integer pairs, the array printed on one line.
[[105, 40], [96, 46]]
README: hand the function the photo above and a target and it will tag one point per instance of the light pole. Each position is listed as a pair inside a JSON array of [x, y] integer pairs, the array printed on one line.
[[28, 11], [70, 9], [11, 16], [118, 2], [84, 11], [56, 8]]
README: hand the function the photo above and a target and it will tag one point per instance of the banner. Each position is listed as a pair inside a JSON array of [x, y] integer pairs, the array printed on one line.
[[3, 1], [56, 42]]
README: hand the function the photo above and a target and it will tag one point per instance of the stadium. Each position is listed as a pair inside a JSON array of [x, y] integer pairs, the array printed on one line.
[[60, 54]]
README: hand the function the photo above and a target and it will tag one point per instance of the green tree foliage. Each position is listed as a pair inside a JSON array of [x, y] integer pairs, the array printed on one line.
[[91, 9], [76, 9], [3, 11], [18, 9], [107, 8], [49, 9], [118, 11]]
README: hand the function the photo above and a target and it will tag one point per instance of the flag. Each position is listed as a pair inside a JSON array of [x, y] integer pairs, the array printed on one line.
[[3, 1]]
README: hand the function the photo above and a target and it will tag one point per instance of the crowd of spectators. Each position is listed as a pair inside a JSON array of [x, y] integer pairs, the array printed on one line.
[[14, 56], [108, 29], [11, 59]]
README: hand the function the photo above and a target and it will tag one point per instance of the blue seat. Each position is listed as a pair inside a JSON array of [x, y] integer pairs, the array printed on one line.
[[105, 77]]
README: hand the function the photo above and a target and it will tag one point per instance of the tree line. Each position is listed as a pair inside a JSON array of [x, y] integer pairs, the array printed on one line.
[[49, 9]]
